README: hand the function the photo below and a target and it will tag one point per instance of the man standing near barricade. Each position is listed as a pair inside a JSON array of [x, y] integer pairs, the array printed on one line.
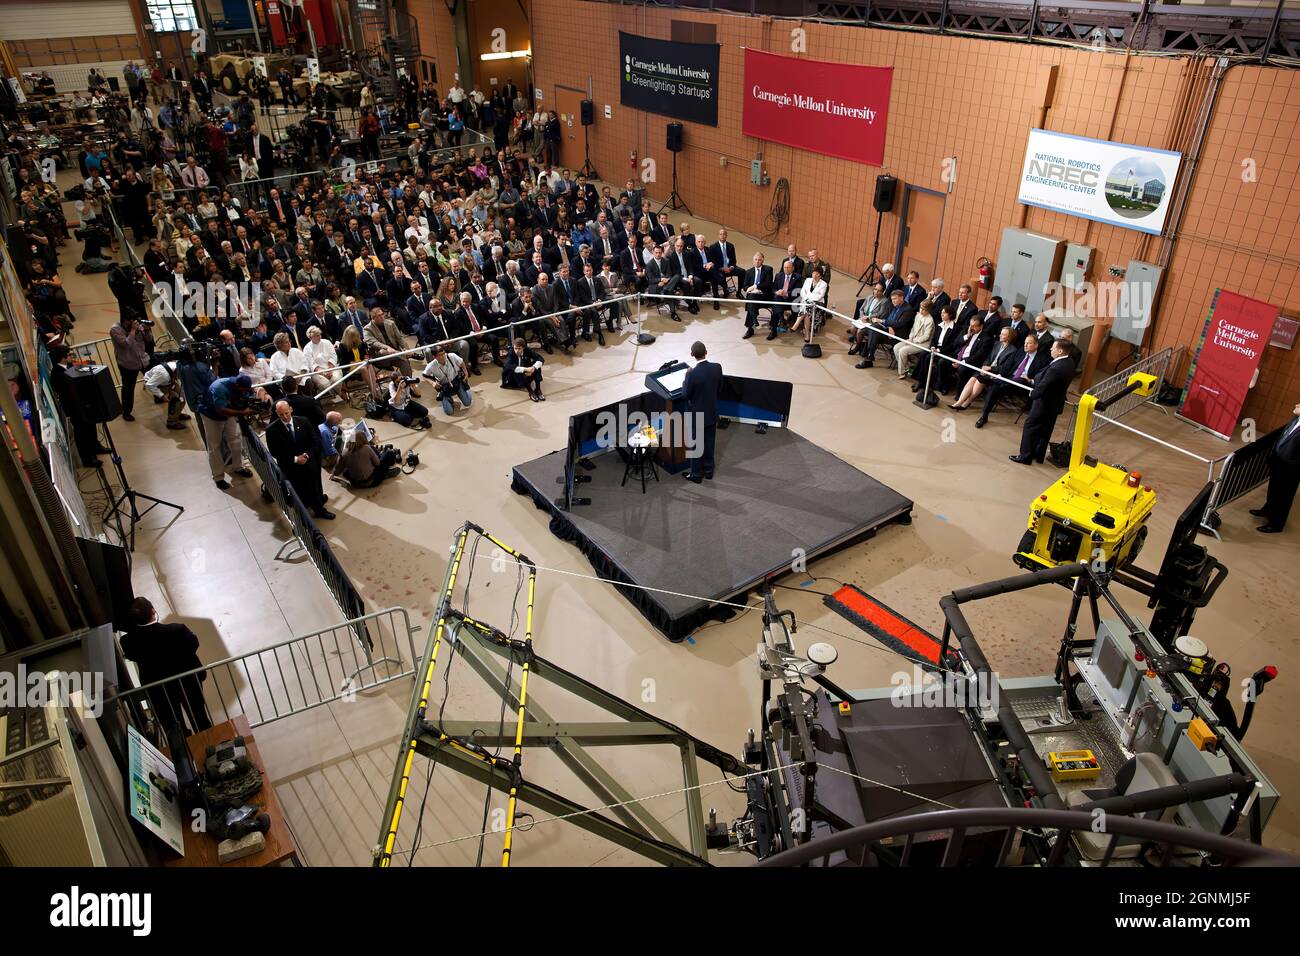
[[294, 443], [1283, 477], [227, 402]]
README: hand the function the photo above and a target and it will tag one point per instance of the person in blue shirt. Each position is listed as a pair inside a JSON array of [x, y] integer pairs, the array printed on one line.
[[225, 405], [330, 433]]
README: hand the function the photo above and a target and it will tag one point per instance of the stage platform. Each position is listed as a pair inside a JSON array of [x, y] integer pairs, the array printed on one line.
[[774, 492]]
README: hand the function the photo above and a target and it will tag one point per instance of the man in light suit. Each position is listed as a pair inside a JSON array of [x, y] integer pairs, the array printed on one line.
[[702, 384], [1046, 402]]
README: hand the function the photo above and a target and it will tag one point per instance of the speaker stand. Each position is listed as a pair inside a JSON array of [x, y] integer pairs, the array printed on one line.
[[587, 170], [127, 504], [675, 200], [872, 272]]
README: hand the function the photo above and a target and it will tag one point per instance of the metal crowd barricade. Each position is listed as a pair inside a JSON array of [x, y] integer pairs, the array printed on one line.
[[279, 681], [97, 352], [1240, 473], [1160, 364], [308, 539]]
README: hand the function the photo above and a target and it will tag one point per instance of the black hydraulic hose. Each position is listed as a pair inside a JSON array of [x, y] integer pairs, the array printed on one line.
[[1172, 796]]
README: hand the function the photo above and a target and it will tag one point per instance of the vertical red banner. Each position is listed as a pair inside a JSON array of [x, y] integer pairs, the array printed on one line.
[[1232, 345], [837, 109]]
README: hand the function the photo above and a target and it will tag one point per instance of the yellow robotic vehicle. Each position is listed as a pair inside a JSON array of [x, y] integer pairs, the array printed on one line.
[[1094, 512]]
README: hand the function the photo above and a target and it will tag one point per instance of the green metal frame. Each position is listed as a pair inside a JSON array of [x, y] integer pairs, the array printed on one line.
[[627, 823]]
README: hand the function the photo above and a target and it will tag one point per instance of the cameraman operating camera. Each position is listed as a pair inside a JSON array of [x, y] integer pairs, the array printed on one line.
[[133, 348], [447, 372], [402, 408], [227, 402]]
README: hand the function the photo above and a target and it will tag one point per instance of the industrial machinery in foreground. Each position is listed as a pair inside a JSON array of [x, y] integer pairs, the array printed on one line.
[[1129, 754], [1095, 512]]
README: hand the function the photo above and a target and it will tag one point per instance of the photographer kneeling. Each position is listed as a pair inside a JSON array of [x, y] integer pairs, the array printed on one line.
[[447, 372], [364, 465], [402, 408]]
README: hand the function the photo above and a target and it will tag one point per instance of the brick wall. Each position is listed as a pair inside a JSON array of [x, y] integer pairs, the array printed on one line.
[[977, 100]]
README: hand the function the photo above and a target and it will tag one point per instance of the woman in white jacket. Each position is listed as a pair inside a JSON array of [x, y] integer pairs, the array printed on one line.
[[813, 292], [323, 359], [918, 340]]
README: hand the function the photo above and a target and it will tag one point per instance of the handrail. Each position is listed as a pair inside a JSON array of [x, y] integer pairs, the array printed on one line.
[[1232, 851]]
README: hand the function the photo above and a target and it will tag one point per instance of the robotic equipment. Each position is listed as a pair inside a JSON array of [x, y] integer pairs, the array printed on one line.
[[1125, 725], [1094, 512]]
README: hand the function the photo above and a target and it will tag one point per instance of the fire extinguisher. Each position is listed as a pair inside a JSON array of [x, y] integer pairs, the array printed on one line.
[[985, 273], [633, 162]]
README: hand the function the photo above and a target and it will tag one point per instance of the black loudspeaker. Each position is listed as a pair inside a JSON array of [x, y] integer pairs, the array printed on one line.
[[96, 394], [886, 193], [588, 113], [674, 137]]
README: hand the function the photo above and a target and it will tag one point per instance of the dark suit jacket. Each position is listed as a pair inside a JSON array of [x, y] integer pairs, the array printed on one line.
[[285, 446], [763, 282], [161, 650], [962, 311], [715, 255], [1050, 387], [702, 385]]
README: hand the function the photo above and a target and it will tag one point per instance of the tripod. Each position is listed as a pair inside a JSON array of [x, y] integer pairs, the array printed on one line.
[[127, 503], [675, 200], [872, 272], [587, 170]]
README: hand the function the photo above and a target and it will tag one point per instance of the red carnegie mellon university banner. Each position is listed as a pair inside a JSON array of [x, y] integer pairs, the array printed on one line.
[[1233, 343], [837, 109]]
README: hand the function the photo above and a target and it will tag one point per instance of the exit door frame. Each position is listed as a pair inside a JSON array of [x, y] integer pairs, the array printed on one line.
[[900, 247]]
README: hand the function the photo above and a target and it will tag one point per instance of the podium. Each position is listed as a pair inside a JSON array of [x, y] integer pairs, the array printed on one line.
[[669, 383]]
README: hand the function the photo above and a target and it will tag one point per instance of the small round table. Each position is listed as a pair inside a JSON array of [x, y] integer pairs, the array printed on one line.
[[641, 445]]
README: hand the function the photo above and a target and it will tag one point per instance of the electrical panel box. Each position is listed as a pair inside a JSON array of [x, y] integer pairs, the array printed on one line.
[[1137, 299], [1028, 262], [1075, 266], [756, 172]]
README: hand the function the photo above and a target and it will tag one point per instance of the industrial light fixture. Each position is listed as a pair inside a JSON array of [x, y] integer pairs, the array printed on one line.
[[517, 54]]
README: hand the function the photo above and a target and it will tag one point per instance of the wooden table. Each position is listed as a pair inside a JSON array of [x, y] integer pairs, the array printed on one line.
[[201, 849]]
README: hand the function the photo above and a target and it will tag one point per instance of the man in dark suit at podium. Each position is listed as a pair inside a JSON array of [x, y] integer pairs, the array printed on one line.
[[701, 387]]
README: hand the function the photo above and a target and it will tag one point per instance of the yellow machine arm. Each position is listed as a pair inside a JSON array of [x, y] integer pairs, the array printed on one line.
[[1139, 382]]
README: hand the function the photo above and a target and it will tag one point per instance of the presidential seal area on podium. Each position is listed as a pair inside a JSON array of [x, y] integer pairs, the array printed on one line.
[[674, 548]]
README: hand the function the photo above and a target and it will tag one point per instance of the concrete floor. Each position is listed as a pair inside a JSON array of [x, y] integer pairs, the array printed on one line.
[[213, 567]]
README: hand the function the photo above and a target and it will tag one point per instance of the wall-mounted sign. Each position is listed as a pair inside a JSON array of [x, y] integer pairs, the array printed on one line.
[[1284, 332], [1116, 183], [836, 109], [669, 78]]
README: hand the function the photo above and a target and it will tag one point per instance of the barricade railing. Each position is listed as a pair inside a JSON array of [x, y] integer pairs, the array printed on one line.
[[97, 352], [309, 540], [1240, 473], [1159, 364], [278, 681]]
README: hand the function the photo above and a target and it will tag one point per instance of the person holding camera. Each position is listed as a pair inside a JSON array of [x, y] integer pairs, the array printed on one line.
[[227, 402], [364, 465], [402, 408], [132, 347], [447, 372]]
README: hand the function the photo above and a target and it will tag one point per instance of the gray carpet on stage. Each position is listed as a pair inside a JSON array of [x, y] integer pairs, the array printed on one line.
[[772, 493]]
